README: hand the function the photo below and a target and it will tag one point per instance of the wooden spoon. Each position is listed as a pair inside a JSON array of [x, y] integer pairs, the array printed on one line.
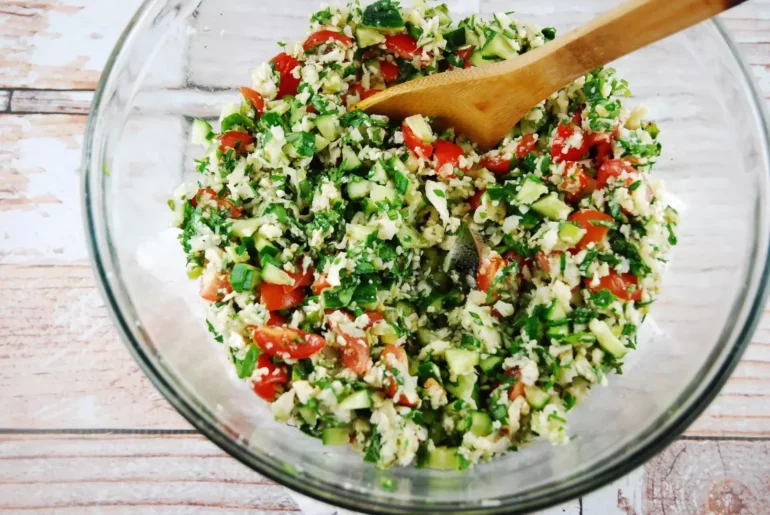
[[484, 103]]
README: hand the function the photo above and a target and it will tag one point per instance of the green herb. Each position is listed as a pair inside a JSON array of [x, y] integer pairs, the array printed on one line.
[[603, 298], [439, 193], [372, 453], [569, 401], [322, 17], [672, 239], [303, 143], [245, 367], [476, 318], [237, 119], [549, 33], [455, 60], [470, 341], [563, 261], [587, 260], [635, 185]]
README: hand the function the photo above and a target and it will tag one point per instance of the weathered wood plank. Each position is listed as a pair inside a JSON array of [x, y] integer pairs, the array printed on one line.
[[5, 100], [60, 44], [622, 497], [722, 477], [51, 101], [130, 474]]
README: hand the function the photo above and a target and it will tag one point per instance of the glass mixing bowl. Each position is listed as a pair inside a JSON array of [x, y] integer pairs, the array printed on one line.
[[180, 59]]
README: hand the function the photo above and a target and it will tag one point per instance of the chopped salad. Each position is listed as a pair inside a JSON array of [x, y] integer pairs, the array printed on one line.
[[385, 284]]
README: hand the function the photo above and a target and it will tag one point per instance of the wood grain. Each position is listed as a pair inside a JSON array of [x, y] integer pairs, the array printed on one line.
[[51, 101]]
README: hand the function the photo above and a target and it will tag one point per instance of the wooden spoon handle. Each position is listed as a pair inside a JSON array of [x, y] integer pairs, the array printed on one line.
[[630, 26]]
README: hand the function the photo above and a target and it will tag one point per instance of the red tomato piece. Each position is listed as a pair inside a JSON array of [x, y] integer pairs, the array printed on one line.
[[447, 153], [475, 200], [300, 279], [389, 71], [284, 342], [613, 168], [414, 143], [512, 256], [466, 54], [325, 36], [276, 319], [215, 286], [517, 390], [543, 261], [622, 286], [355, 353], [576, 183], [402, 45], [205, 194], [591, 221], [254, 98], [561, 147], [391, 356], [276, 298], [285, 65], [496, 164], [374, 317], [577, 118], [266, 385], [601, 143], [525, 146], [320, 284], [237, 140], [487, 271]]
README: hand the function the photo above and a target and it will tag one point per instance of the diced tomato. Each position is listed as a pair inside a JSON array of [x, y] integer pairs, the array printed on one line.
[[374, 317], [525, 146], [285, 65], [512, 256], [237, 140], [475, 200], [276, 298], [358, 89], [391, 354], [276, 319], [496, 164], [255, 99], [622, 286], [355, 353], [324, 36], [215, 286], [543, 261], [266, 385], [389, 71], [487, 271], [613, 168], [577, 184], [447, 154], [285, 342], [414, 143], [311, 109], [564, 135], [205, 194], [320, 284], [300, 279], [517, 390], [591, 221], [466, 54], [601, 143], [402, 45], [577, 118]]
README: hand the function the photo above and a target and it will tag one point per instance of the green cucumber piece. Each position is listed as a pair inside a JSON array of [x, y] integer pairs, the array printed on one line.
[[328, 126], [320, 143], [245, 227], [571, 233], [455, 38], [308, 414], [358, 188], [464, 388], [552, 207], [443, 458], [410, 238], [274, 275], [244, 277], [297, 114], [499, 47], [264, 246], [350, 160], [335, 435], [378, 174], [200, 132], [530, 191], [366, 37], [383, 15], [357, 400], [477, 59], [607, 339], [490, 363], [481, 424], [358, 232], [380, 193], [461, 361], [420, 128], [536, 397]]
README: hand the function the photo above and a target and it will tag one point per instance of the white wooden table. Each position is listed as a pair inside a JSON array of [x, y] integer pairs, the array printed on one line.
[[83, 431]]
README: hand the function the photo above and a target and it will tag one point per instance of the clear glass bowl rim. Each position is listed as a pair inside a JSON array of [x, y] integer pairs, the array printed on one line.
[[546, 496]]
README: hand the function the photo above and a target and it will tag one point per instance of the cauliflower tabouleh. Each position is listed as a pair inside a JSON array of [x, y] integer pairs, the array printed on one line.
[[383, 284]]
